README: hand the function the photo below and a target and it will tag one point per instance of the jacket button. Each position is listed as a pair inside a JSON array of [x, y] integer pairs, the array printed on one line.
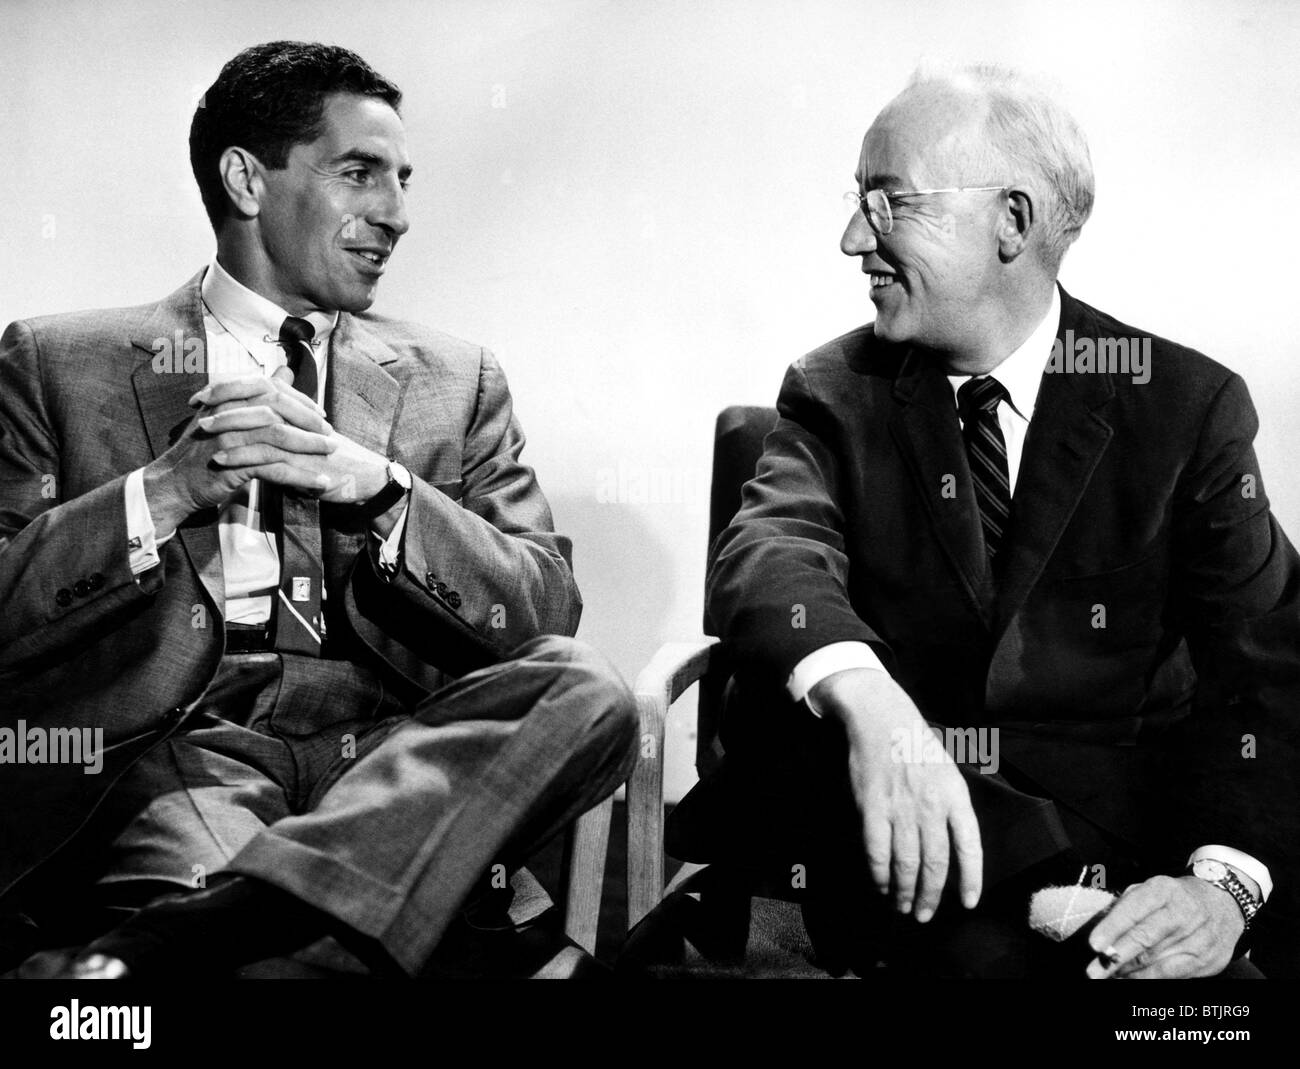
[[453, 599], [173, 715], [431, 581], [97, 581], [63, 597], [441, 589], [81, 587]]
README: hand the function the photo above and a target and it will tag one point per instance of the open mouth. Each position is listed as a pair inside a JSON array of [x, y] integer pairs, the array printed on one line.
[[879, 282], [371, 258]]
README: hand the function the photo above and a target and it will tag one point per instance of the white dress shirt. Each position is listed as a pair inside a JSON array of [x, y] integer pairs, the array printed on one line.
[[1021, 374], [242, 334]]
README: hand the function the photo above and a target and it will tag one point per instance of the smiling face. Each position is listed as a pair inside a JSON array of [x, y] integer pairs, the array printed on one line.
[[933, 277], [328, 221]]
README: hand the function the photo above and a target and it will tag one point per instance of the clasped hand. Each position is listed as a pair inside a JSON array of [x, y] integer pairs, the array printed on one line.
[[258, 428]]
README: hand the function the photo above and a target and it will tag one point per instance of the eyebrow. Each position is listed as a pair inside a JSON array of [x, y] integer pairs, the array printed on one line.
[[357, 155], [879, 181]]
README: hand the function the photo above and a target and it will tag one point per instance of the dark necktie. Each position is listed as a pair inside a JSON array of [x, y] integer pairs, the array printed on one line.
[[299, 621], [977, 402]]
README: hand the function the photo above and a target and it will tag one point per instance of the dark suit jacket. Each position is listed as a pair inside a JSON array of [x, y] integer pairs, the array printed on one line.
[[1142, 498], [81, 405]]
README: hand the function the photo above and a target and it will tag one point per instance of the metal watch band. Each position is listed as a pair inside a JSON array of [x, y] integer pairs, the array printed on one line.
[[1244, 899]]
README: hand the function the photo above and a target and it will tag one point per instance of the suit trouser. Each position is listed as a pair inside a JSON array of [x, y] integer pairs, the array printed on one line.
[[306, 774]]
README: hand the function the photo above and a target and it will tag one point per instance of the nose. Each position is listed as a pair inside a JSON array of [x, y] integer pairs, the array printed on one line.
[[389, 211], [859, 239]]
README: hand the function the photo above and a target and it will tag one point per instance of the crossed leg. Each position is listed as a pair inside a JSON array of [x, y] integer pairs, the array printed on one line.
[[382, 823]]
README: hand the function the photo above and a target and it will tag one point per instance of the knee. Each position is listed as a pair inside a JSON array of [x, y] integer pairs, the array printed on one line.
[[560, 649], [597, 691], [575, 660], [599, 702]]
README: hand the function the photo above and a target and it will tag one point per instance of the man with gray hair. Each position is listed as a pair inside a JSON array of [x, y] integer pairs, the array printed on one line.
[[966, 516]]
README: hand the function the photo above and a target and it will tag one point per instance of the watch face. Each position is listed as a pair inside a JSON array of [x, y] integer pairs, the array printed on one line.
[[1208, 869]]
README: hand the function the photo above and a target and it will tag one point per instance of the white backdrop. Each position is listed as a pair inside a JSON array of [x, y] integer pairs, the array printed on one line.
[[636, 205]]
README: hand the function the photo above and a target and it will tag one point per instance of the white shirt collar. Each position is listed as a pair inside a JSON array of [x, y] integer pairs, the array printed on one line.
[[249, 316], [1022, 372]]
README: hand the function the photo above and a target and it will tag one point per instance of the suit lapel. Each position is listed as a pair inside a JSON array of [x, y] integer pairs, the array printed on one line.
[[1066, 439], [361, 401], [361, 397], [162, 390], [928, 436]]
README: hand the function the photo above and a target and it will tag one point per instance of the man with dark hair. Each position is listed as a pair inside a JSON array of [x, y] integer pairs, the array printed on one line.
[[282, 552], [269, 98]]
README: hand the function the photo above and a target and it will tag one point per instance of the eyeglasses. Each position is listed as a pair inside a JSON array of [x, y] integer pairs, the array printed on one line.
[[875, 202]]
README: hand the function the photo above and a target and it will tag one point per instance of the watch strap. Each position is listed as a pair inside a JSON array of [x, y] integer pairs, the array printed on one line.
[[392, 492], [1231, 883]]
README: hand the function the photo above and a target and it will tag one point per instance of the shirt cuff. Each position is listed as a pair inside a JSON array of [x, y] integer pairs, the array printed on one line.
[[141, 543], [390, 549], [825, 662], [1256, 870]]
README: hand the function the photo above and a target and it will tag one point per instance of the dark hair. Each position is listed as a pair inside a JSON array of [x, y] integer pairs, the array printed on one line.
[[269, 98]]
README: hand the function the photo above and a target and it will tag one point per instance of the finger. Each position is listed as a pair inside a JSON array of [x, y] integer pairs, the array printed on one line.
[[969, 851], [1141, 944], [279, 384], [905, 864], [291, 407], [934, 865], [879, 842], [215, 393], [1137, 902], [285, 474], [257, 454], [283, 380], [280, 436], [237, 416], [1185, 937], [1186, 959], [1146, 964]]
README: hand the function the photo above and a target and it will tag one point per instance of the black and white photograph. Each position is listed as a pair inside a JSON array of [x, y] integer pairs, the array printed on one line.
[[642, 491]]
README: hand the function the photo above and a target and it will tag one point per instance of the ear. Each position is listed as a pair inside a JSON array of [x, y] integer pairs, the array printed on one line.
[[241, 176], [1016, 224]]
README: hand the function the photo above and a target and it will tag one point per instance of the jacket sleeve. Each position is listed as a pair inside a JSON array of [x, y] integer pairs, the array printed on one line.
[[487, 569], [1236, 594], [777, 585], [65, 572]]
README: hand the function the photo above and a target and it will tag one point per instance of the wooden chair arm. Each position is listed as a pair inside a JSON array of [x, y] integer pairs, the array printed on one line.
[[586, 845], [674, 667]]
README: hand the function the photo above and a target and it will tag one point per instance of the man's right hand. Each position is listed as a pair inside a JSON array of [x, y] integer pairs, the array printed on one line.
[[185, 480], [916, 813]]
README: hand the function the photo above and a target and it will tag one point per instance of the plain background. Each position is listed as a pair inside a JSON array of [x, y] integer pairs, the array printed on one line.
[[636, 205]]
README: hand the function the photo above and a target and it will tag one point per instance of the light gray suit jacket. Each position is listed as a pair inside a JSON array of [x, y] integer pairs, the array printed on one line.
[[85, 643]]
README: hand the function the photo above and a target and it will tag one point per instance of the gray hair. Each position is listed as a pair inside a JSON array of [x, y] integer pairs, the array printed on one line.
[[1030, 132]]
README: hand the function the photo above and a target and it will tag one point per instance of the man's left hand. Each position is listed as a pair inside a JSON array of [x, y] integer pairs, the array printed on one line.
[[355, 473], [1167, 928]]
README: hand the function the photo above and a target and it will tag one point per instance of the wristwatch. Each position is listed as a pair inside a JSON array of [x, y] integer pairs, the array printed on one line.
[[397, 487], [1217, 873]]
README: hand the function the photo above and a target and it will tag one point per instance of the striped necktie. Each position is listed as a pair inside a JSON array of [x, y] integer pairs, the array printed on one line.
[[299, 620], [977, 403]]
